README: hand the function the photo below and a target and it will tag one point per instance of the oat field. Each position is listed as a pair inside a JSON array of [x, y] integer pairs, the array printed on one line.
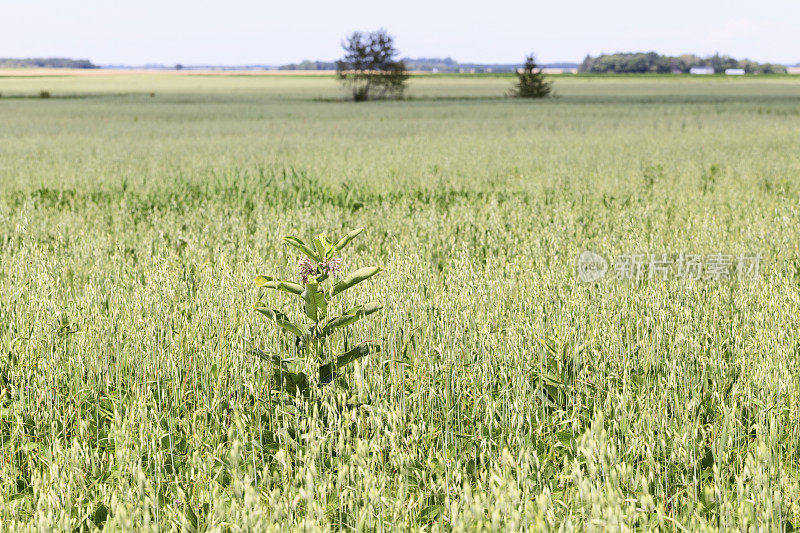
[[509, 394]]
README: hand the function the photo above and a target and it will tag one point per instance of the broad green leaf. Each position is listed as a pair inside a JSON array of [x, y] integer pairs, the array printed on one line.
[[282, 320], [100, 516], [350, 317], [328, 372], [354, 278], [291, 382], [316, 306], [566, 438], [267, 356], [708, 460], [344, 241], [550, 379], [545, 397], [319, 246], [303, 247], [329, 249], [272, 283], [430, 513]]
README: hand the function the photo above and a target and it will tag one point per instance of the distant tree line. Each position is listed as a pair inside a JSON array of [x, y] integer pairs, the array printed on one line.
[[310, 65], [46, 62], [447, 64], [643, 62], [431, 64]]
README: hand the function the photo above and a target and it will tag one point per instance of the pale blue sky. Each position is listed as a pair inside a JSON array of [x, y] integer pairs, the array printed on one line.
[[232, 32]]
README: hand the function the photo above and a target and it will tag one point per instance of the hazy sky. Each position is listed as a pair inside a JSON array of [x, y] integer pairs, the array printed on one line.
[[232, 32]]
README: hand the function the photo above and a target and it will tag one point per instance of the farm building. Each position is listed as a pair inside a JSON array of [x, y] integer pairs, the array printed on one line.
[[734, 71], [701, 70]]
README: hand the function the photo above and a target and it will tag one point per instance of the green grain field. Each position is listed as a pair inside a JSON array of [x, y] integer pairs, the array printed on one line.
[[136, 211]]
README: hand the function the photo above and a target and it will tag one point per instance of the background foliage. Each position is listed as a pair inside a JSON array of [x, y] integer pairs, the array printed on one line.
[[46, 62], [642, 62]]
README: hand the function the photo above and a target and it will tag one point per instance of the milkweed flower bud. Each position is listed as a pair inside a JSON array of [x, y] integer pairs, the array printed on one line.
[[305, 268], [331, 265]]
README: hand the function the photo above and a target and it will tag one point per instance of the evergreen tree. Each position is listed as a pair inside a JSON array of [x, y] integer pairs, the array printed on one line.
[[531, 82]]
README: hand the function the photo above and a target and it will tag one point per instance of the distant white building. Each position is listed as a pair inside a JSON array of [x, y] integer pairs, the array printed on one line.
[[701, 70], [734, 71]]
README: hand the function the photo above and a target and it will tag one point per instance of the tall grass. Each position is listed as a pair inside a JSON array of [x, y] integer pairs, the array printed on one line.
[[507, 395]]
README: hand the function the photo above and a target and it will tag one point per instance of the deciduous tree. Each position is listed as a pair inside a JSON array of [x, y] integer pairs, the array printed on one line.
[[369, 68]]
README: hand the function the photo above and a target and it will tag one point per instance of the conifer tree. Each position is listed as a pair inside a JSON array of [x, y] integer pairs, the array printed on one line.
[[531, 81]]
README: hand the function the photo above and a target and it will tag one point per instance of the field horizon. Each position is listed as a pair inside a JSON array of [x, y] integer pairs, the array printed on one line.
[[556, 73]]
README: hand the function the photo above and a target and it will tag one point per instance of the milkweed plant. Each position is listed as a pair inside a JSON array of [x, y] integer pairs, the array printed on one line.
[[320, 283]]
